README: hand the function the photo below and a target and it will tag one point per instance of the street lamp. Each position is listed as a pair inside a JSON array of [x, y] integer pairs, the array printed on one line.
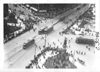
[[45, 39]]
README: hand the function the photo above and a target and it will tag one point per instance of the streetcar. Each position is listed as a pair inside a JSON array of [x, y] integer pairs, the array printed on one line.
[[81, 40], [46, 30], [28, 44]]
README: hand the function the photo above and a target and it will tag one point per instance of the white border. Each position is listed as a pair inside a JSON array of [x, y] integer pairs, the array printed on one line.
[[43, 1]]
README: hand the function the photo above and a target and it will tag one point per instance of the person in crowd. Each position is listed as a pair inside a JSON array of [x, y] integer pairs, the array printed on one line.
[[77, 52], [44, 56], [81, 53], [39, 47], [50, 45], [36, 45], [69, 46], [58, 40], [30, 65], [84, 53], [53, 43], [44, 46], [86, 46], [70, 51], [89, 49], [38, 67], [33, 29], [57, 47]]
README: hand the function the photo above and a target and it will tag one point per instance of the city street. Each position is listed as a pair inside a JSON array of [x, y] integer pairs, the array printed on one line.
[[21, 39], [22, 57], [17, 57]]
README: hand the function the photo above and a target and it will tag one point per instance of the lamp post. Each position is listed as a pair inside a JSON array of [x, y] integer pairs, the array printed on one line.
[[35, 50], [45, 39]]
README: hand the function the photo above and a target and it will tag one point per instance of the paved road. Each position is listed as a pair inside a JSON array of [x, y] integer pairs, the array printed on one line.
[[16, 44], [24, 56], [21, 39]]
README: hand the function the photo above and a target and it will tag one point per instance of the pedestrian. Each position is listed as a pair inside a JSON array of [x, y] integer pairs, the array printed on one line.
[[84, 53], [77, 52], [48, 44], [71, 51], [69, 46], [57, 47], [44, 46], [69, 41], [52, 52], [53, 43], [81, 53], [44, 56], [34, 29], [89, 49], [39, 47], [86, 46]]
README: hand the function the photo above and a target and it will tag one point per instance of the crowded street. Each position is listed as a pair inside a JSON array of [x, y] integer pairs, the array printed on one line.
[[69, 34]]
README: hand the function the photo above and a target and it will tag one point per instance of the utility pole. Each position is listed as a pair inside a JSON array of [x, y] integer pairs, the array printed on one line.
[[35, 50], [45, 40]]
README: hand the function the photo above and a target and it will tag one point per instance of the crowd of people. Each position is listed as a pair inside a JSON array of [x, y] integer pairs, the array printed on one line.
[[43, 53], [53, 48]]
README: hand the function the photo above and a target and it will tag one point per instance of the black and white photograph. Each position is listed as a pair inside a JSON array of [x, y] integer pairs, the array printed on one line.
[[50, 35]]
